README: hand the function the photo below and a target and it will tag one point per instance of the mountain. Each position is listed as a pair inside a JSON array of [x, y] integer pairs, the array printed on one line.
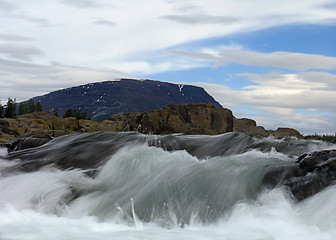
[[102, 99]]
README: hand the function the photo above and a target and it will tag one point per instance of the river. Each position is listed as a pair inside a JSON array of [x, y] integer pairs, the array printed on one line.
[[135, 186]]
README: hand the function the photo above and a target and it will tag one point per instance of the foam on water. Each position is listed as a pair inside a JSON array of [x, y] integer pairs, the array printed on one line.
[[3, 152], [273, 216], [147, 192]]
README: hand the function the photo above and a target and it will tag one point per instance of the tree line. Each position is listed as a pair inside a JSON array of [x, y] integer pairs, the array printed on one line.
[[322, 137], [70, 112], [12, 109]]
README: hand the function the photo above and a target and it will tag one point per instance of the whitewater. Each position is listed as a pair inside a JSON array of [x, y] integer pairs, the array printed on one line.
[[135, 186]]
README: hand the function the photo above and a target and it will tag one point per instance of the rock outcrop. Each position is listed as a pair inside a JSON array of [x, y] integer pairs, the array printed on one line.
[[198, 118], [285, 132], [37, 125], [195, 118], [249, 127], [313, 172]]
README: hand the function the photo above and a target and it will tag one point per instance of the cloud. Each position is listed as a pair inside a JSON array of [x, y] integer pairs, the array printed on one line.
[[276, 110], [201, 19], [306, 101], [83, 4], [306, 123], [145, 31], [22, 80], [7, 6], [287, 60], [14, 38], [283, 91], [20, 51], [140, 34], [143, 68], [105, 22], [182, 7], [42, 22]]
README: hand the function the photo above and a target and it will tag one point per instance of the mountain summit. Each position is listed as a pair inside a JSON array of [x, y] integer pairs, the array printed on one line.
[[102, 99]]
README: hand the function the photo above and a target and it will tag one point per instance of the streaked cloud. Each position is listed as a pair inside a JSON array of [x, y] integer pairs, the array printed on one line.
[[201, 19], [306, 101], [104, 22], [46, 45], [7, 6], [141, 68], [282, 91], [83, 4], [14, 37], [287, 60], [23, 80], [20, 51]]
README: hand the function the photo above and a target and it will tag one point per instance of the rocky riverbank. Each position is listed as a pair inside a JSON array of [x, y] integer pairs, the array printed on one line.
[[198, 118]]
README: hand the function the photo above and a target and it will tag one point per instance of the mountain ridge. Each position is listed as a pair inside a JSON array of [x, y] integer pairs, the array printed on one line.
[[102, 99]]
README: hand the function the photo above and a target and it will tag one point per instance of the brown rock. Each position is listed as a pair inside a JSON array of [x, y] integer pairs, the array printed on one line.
[[286, 132], [249, 126], [241, 123], [197, 118], [71, 124]]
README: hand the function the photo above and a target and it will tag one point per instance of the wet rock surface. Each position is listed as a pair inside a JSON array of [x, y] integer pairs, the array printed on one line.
[[312, 173]]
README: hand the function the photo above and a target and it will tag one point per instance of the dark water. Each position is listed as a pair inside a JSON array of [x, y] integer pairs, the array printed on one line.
[[130, 185]]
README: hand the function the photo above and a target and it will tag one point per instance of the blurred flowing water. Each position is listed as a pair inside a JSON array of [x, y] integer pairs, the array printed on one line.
[[135, 186]]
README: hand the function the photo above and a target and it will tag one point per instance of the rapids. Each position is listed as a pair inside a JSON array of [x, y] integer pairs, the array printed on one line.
[[135, 186]]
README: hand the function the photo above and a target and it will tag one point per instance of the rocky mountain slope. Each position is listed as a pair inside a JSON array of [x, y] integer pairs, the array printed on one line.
[[102, 99]]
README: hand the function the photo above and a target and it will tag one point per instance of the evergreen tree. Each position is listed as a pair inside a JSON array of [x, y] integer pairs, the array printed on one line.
[[1, 110], [22, 108], [55, 112], [38, 107], [68, 113], [79, 114], [31, 107], [11, 108]]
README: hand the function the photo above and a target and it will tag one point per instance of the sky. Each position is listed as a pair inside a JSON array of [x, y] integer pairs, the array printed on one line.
[[270, 60]]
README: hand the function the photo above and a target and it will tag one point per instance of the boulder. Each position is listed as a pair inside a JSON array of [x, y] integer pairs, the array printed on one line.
[[286, 132], [37, 125], [242, 123], [9, 130], [312, 173], [249, 127]]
